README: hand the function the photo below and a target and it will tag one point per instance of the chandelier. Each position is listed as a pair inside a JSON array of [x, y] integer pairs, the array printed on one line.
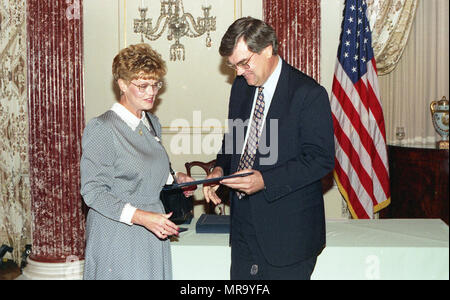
[[179, 24]]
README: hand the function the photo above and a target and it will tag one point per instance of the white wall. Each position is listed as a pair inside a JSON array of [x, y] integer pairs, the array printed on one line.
[[331, 16], [198, 88], [101, 43]]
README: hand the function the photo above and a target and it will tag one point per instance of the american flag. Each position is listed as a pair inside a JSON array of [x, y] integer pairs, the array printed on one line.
[[361, 164]]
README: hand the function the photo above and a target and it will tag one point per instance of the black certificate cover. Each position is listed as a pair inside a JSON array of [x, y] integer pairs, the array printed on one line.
[[213, 224], [203, 181]]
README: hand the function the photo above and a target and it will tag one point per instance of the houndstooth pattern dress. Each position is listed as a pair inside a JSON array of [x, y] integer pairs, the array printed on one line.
[[120, 166]]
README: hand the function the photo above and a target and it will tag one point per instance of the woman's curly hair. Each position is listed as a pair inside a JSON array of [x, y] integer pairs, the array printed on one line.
[[138, 61]]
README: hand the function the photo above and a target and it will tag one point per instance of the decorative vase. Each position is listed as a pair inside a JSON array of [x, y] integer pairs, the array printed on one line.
[[439, 115]]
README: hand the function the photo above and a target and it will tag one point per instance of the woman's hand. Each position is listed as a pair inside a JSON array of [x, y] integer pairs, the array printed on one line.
[[188, 190], [157, 223], [209, 190]]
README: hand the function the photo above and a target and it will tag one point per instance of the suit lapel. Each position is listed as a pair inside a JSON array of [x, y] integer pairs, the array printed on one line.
[[276, 109]]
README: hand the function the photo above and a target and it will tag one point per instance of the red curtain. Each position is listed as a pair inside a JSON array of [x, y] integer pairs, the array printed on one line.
[[297, 24]]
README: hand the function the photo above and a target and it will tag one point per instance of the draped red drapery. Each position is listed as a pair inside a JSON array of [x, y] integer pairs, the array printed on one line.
[[297, 24]]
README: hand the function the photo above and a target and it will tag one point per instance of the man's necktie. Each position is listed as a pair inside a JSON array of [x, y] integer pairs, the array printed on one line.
[[248, 157]]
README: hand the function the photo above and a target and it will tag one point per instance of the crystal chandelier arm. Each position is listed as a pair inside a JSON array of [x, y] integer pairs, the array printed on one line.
[[152, 33], [194, 29]]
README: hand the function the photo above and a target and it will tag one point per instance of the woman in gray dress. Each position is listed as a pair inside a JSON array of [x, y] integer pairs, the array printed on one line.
[[123, 169]]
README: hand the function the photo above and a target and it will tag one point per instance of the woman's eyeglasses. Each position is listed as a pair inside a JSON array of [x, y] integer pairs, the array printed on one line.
[[145, 88]]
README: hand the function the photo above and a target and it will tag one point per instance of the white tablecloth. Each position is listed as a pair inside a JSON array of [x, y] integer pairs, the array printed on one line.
[[356, 249]]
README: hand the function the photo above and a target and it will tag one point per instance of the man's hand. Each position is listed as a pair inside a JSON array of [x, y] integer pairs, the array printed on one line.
[[249, 184], [209, 190]]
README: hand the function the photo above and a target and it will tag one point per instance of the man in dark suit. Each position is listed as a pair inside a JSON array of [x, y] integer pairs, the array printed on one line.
[[278, 222]]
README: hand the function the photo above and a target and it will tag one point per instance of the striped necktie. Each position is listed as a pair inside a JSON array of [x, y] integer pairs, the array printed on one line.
[[248, 157]]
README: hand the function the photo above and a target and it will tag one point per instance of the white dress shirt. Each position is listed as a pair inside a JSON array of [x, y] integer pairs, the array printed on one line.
[[268, 91]]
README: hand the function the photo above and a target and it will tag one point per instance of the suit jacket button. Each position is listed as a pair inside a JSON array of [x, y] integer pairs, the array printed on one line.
[[254, 270]]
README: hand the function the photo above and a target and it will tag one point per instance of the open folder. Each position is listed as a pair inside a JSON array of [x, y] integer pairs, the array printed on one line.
[[203, 181]]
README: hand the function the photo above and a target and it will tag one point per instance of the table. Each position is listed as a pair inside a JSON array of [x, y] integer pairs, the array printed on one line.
[[356, 249]]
